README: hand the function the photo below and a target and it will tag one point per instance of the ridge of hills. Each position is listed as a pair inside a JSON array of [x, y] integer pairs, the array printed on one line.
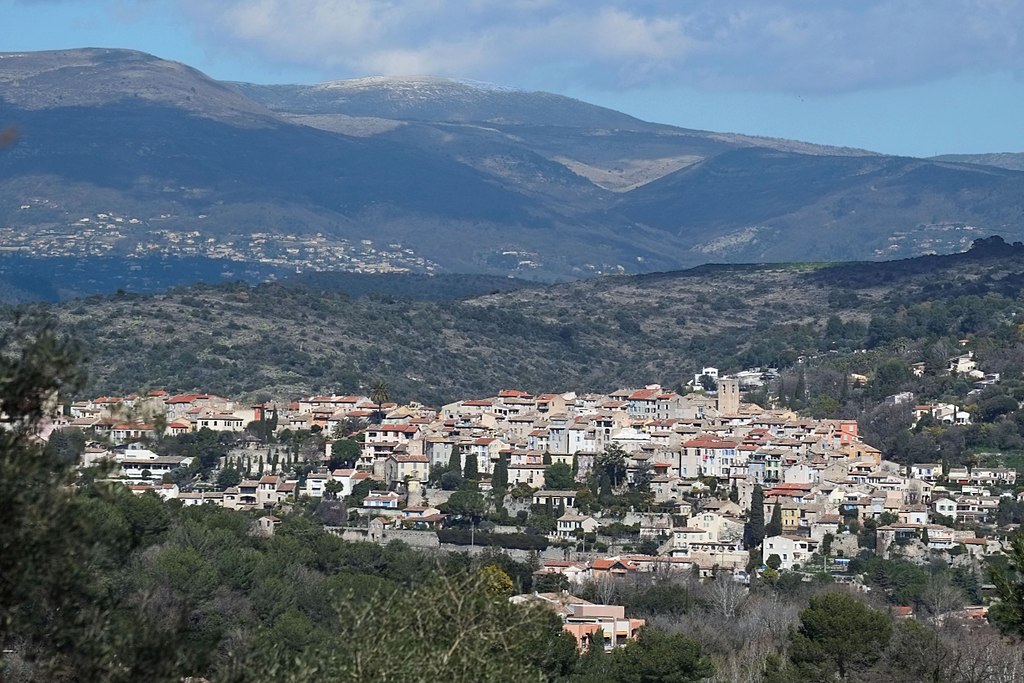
[[281, 340], [1013, 161], [441, 176]]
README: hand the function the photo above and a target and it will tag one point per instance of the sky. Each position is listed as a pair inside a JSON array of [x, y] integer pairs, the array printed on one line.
[[910, 77]]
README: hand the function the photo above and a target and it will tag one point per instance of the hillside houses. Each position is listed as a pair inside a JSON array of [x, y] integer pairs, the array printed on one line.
[[688, 451]]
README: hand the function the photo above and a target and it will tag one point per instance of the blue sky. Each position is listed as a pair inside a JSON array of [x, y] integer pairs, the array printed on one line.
[[914, 77]]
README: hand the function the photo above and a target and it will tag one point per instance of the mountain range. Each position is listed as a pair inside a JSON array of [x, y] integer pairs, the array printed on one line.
[[121, 154]]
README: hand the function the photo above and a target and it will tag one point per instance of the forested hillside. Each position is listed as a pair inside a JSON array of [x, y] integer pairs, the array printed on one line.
[[280, 341]]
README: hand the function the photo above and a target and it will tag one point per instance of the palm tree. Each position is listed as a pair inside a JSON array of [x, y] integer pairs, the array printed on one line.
[[379, 395]]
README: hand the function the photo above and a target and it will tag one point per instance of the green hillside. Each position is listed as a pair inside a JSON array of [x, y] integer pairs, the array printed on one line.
[[283, 340]]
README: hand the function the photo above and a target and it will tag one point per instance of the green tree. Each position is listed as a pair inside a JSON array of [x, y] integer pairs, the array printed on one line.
[[379, 396], [800, 392], [332, 489], [774, 561], [344, 453], [468, 504], [774, 527], [470, 472], [890, 377], [734, 493], [546, 460], [496, 581], [642, 477], [551, 583], [755, 524], [60, 545], [593, 665], [558, 477], [826, 543], [605, 496], [612, 463], [499, 480], [228, 477], [659, 656], [66, 445], [1008, 613], [452, 481], [839, 635]]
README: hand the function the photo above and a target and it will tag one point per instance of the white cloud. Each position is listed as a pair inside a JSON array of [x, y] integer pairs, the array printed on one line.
[[790, 45]]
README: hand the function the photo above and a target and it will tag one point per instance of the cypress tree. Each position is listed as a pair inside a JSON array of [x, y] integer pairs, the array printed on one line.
[[455, 461], [471, 472], [606, 489], [774, 527], [575, 466], [500, 478], [547, 458], [734, 493], [756, 523], [799, 393]]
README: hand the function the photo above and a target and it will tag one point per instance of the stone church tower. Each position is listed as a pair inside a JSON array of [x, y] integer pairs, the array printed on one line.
[[728, 396]]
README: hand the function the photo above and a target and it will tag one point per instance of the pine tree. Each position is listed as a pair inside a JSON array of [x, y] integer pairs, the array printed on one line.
[[593, 665], [470, 471]]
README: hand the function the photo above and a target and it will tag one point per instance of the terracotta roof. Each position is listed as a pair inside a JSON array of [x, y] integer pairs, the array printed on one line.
[[512, 393], [643, 395], [605, 564], [134, 426], [709, 442], [405, 429]]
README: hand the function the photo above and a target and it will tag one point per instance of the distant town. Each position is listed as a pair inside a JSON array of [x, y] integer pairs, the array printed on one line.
[[106, 234], [593, 486]]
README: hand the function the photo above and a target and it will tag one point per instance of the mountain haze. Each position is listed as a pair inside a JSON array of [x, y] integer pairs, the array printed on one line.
[[124, 154]]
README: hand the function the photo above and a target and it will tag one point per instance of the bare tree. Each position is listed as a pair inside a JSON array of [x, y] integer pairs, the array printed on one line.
[[981, 655], [940, 596], [726, 595]]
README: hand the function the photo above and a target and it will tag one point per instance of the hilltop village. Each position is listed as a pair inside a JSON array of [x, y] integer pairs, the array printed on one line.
[[587, 486]]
